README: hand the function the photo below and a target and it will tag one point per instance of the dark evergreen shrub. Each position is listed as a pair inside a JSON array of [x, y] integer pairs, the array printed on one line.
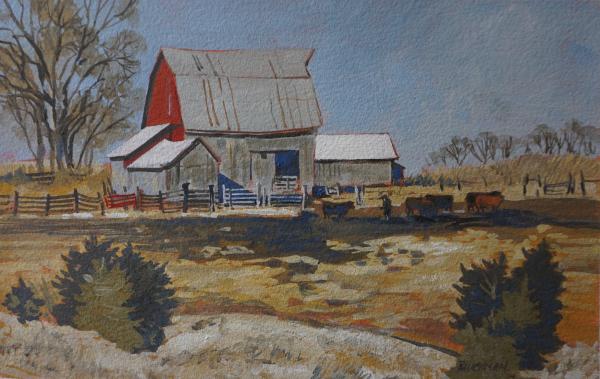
[[121, 296], [485, 355], [522, 310], [22, 303], [544, 280], [152, 301], [78, 265], [480, 290]]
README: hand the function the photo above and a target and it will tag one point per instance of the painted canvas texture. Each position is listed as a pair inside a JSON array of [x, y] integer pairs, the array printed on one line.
[[299, 189]]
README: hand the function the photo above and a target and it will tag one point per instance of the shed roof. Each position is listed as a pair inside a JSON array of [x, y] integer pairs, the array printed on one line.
[[245, 91], [163, 155], [354, 147], [137, 141]]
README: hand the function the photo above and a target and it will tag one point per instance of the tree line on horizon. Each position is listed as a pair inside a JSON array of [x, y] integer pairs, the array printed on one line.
[[487, 147]]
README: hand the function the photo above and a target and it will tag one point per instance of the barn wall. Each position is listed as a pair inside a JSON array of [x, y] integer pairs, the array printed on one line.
[[149, 182], [236, 155], [162, 101], [119, 176], [198, 168], [353, 173]]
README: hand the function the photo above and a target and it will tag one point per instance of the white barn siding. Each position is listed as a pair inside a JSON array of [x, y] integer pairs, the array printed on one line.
[[148, 182], [119, 177], [240, 155], [198, 168], [353, 173]]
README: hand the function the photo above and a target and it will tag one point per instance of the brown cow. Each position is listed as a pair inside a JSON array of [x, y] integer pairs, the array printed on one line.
[[425, 207], [480, 201]]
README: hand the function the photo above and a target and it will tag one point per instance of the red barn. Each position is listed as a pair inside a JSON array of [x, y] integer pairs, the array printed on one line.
[[242, 118]]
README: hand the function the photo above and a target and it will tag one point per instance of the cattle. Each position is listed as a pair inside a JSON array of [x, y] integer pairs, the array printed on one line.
[[336, 208], [480, 201], [421, 205], [441, 202]]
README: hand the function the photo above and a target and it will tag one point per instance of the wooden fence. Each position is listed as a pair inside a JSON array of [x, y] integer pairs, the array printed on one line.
[[241, 197], [182, 200], [41, 177], [566, 187], [49, 204]]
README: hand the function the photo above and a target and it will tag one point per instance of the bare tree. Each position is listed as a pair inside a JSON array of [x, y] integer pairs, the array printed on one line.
[[438, 157], [507, 145], [544, 138], [572, 134], [68, 66], [458, 149], [484, 147], [590, 139]]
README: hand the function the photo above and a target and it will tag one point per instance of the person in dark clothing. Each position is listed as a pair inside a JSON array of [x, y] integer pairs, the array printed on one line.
[[386, 206]]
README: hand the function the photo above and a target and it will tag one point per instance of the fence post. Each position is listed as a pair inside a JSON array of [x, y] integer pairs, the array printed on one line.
[[571, 187], [138, 198], [230, 198], [101, 201], [264, 197], [539, 180], [223, 193], [441, 180], [356, 195], [211, 197], [304, 196], [160, 202], [257, 195], [582, 183], [47, 204], [525, 182], [186, 196], [545, 187], [458, 184], [16, 203], [76, 200], [269, 197]]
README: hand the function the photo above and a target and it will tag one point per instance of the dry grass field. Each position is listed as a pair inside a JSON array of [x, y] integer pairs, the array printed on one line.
[[392, 283]]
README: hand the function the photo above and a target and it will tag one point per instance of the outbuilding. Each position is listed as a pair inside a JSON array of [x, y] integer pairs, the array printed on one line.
[[355, 160]]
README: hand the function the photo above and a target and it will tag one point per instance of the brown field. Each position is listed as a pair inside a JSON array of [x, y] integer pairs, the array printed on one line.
[[357, 274]]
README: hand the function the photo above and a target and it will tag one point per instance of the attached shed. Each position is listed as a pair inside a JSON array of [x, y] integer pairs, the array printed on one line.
[[151, 164], [354, 159]]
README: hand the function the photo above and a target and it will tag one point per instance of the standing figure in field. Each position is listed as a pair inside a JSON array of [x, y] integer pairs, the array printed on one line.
[[386, 206]]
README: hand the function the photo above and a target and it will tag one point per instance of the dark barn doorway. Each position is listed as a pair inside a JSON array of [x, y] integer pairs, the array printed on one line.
[[287, 163]]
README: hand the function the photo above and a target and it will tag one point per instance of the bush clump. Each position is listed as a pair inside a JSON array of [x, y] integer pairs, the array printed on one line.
[[508, 322], [21, 302], [121, 296]]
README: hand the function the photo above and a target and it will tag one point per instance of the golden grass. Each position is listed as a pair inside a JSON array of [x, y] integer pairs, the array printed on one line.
[[384, 290], [64, 183]]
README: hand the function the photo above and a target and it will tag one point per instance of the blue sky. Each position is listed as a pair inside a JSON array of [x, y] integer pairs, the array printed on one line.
[[420, 70]]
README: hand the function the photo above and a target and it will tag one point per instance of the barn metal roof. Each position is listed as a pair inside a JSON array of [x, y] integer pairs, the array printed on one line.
[[354, 147], [163, 155], [137, 141], [245, 91], [257, 64]]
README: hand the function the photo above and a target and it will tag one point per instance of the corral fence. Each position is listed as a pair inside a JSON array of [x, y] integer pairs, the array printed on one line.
[[51, 204], [262, 197], [182, 200], [570, 186]]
